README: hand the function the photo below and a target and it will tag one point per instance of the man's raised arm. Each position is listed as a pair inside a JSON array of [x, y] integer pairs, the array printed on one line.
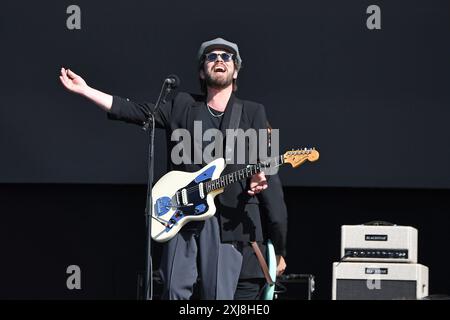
[[75, 83]]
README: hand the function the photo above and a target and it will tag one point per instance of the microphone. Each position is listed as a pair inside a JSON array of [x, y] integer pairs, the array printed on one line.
[[173, 81], [170, 83]]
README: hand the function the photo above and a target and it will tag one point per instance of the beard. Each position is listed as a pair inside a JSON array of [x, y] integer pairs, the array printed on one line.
[[217, 81]]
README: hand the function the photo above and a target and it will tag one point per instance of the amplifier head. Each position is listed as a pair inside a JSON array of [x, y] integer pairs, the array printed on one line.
[[379, 243]]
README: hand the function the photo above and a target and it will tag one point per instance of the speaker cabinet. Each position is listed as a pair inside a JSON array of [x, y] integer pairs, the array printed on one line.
[[379, 281], [295, 287]]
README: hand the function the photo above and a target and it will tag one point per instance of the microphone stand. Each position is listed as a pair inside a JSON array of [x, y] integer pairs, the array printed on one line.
[[149, 126]]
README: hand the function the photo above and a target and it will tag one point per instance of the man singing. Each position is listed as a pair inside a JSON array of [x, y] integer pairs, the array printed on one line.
[[210, 250]]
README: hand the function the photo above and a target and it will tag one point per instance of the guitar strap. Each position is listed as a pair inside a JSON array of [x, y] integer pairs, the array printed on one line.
[[235, 118], [262, 263], [236, 113]]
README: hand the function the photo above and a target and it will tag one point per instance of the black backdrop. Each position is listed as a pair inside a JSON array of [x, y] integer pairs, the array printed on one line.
[[375, 103]]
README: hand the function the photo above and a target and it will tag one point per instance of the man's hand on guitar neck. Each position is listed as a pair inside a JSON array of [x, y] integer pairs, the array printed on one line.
[[258, 183]]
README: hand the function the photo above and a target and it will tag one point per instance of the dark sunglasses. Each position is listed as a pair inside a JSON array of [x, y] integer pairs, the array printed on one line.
[[226, 57]]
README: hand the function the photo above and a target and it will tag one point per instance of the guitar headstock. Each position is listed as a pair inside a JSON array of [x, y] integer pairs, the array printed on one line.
[[297, 157]]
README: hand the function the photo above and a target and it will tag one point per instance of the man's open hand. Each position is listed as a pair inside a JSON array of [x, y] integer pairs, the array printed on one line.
[[72, 81]]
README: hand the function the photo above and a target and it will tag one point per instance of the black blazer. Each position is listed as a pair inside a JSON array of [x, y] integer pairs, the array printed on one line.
[[274, 215], [274, 221], [237, 212]]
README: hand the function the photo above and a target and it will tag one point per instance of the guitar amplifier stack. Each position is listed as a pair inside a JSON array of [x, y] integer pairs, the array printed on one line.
[[379, 262]]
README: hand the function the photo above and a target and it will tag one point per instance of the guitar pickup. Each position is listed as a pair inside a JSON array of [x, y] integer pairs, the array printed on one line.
[[184, 197], [201, 191]]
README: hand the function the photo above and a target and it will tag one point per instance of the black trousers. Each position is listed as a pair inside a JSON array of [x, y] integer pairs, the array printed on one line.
[[249, 289], [192, 254]]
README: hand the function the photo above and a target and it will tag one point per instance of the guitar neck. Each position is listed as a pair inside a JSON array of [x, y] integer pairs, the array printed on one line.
[[242, 174]]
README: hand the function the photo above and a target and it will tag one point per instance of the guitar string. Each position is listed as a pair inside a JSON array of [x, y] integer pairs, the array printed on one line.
[[274, 159], [267, 164], [189, 190], [244, 171], [194, 188]]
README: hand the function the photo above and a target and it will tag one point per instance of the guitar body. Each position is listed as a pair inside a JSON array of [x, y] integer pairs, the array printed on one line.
[[269, 290], [178, 199]]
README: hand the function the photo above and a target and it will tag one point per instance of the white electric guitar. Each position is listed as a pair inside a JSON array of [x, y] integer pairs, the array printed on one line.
[[179, 197]]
